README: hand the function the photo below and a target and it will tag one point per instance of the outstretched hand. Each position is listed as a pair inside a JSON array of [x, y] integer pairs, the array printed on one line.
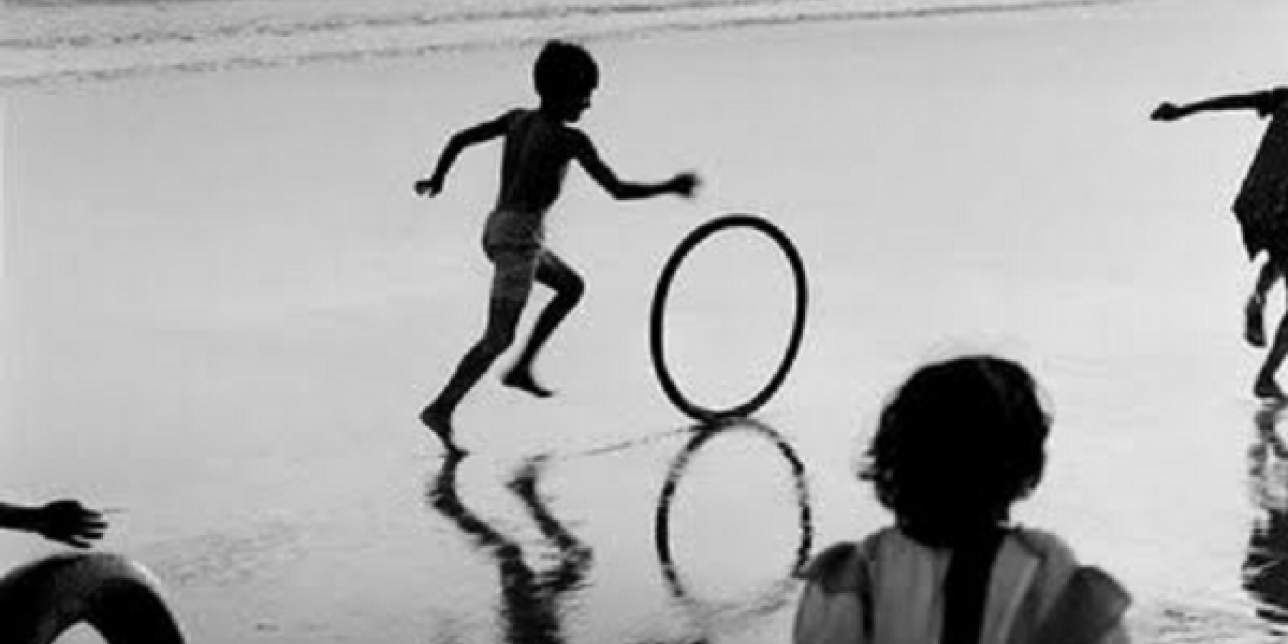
[[67, 521], [1167, 112], [429, 187], [685, 184]]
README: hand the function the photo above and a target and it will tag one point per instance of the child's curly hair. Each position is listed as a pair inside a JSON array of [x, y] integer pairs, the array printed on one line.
[[960, 442], [564, 69]]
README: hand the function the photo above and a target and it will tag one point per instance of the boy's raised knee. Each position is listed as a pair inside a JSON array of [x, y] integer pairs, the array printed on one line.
[[572, 292], [577, 291]]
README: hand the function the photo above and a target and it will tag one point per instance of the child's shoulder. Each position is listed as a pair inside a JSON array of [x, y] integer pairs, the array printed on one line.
[[515, 115], [573, 132], [1035, 542], [1061, 569], [844, 565], [837, 568], [1272, 100], [530, 119], [1043, 544], [1077, 602]]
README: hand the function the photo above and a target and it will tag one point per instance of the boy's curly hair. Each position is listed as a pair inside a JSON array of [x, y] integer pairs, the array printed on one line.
[[958, 444], [564, 69]]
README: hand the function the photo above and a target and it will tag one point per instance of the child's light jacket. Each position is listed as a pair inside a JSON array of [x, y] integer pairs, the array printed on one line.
[[888, 589]]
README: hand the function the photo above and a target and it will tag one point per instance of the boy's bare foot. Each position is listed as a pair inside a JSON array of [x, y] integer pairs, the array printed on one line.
[[522, 380], [1269, 389], [1254, 330], [441, 424]]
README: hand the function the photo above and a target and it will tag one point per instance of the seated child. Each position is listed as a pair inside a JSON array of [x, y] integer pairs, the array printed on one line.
[[961, 441]]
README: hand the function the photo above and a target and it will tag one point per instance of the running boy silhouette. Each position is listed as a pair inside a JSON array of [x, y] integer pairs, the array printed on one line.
[[957, 446], [1262, 212], [540, 144]]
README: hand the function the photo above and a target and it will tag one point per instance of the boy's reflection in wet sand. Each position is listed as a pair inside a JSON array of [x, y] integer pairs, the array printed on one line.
[[1265, 570], [533, 610], [532, 600]]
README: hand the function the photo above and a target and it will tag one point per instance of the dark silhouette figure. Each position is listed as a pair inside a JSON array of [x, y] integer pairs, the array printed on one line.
[[539, 145], [117, 597], [960, 442], [531, 600], [766, 601], [1261, 209], [43, 599], [1265, 570]]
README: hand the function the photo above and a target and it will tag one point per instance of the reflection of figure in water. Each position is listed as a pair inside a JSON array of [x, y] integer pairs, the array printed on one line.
[[1265, 571], [64, 521], [539, 146], [1262, 211], [957, 446], [532, 600]]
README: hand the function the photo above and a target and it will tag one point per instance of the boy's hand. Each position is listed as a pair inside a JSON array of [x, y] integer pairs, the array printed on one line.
[[1167, 112], [68, 522], [685, 184], [429, 187]]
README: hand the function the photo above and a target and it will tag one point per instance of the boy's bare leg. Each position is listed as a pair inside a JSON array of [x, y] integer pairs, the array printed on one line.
[[503, 317], [1254, 326], [568, 287], [1265, 386]]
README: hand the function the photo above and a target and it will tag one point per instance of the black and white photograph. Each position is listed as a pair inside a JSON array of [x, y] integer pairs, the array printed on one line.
[[643, 321]]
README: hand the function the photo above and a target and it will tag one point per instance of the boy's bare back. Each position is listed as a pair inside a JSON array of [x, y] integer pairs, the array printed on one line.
[[535, 160]]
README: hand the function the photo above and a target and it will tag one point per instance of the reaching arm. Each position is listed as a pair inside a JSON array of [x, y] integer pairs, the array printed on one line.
[[64, 521], [480, 133], [1263, 102], [683, 184]]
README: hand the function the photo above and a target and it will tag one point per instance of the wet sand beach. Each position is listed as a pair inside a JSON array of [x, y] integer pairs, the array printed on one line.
[[224, 307]]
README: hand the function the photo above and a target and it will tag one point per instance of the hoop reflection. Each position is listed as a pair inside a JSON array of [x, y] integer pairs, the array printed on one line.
[[767, 600]]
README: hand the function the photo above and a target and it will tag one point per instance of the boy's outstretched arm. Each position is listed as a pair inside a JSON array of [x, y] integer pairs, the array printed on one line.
[[65, 521], [683, 184], [1263, 102], [480, 133]]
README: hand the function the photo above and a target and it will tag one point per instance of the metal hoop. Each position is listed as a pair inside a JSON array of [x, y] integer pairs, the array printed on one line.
[[658, 314]]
